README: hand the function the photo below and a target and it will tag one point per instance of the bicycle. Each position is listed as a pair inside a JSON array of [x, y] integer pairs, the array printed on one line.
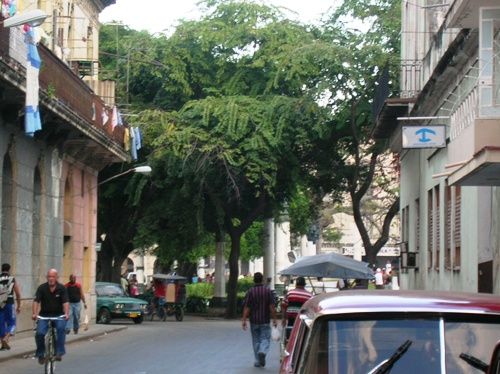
[[50, 344], [158, 307]]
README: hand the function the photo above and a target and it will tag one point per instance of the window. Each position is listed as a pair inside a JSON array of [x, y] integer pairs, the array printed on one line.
[[405, 224], [437, 225], [299, 346], [358, 346], [430, 227], [448, 228], [489, 62], [417, 225], [457, 234]]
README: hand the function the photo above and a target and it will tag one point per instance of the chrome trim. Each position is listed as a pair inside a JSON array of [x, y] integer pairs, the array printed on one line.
[[442, 344]]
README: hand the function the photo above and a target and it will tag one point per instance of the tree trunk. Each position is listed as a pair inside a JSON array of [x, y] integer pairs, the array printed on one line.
[[232, 286], [104, 267], [371, 255], [117, 268], [188, 270]]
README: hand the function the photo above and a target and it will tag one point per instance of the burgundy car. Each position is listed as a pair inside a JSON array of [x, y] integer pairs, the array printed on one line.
[[394, 332]]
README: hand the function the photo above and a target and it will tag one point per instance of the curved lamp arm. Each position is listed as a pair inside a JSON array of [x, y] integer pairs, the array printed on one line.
[[138, 169]]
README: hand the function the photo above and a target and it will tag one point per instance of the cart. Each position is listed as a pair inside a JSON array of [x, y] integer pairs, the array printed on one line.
[[174, 302]]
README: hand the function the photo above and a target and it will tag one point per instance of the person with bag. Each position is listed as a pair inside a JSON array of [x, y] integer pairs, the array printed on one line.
[[75, 296], [8, 288], [259, 307]]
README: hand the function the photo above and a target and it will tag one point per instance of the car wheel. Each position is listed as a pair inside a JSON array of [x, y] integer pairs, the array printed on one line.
[[138, 320], [179, 314], [104, 316]]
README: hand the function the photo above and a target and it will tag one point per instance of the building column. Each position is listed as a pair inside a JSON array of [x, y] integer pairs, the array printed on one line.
[[269, 250], [139, 266], [282, 245], [220, 279], [307, 248]]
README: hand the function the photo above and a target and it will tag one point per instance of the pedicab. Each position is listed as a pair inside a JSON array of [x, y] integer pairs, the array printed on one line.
[[326, 265], [174, 300]]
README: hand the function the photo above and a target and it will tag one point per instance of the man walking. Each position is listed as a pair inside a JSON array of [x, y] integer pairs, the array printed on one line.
[[259, 306], [7, 309], [75, 297], [51, 300]]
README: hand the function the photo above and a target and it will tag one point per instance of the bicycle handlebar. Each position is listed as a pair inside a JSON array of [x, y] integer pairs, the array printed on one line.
[[52, 318]]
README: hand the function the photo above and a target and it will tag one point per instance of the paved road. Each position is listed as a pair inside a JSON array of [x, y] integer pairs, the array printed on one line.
[[195, 345]]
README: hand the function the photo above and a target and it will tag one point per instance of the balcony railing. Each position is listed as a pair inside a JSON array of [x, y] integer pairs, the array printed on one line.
[[411, 78], [60, 84]]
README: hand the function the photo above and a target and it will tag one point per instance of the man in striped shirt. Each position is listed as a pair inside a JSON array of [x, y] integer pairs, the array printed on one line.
[[294, 300], [259, 306]]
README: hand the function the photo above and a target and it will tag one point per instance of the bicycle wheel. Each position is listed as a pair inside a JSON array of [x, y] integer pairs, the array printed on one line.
[[50, 348], [179, 313], [162, 313]]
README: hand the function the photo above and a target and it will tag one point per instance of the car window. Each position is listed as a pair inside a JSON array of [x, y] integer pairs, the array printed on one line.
[[299, 345], [109, 290], [472, 338], [358, 346]]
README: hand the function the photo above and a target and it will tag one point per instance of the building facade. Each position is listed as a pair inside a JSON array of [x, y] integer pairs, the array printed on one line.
[[48, 181], [450, 198]]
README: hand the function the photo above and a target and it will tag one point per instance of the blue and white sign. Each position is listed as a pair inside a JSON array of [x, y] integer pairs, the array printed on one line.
[[424, 136]]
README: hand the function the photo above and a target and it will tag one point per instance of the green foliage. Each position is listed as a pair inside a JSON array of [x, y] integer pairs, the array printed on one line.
[[252, 242], [244, 284], [229, 109], [203, 290], [332, 235], [302, 211]]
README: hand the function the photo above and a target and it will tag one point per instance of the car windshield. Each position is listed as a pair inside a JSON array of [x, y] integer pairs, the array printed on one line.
[[109, 290], [471, 338], [359, 346]]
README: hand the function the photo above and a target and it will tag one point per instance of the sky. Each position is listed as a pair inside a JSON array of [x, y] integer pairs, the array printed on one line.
[[162, 14]]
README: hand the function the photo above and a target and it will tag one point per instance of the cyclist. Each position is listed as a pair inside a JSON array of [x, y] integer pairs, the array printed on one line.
[[159, 292], [51, 300]]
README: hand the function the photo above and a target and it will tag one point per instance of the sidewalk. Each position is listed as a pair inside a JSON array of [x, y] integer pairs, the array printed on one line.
[[25, 347]]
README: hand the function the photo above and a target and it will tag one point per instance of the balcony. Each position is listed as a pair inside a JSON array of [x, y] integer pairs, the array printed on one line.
[[71, 111], [464, 14], [475, 155]]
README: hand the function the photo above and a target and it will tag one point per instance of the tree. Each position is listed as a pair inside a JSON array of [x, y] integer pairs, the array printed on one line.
[[238, 155], [350, 98], [118, 216]]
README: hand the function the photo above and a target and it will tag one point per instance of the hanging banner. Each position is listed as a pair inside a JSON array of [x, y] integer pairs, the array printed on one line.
[[424, 136]]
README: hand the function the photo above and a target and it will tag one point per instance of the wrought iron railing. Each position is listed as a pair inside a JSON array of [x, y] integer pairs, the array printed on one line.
[[61, 84]]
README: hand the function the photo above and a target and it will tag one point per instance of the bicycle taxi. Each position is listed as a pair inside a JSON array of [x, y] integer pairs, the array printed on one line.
[[170, 296]]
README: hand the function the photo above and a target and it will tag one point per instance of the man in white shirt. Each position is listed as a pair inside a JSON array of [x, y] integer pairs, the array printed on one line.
[[379, 279]]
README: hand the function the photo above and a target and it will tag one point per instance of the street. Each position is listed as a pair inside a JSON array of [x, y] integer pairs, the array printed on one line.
[[196, 345]]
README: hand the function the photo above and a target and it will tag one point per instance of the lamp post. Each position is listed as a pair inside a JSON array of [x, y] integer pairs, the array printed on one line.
[[146, 169]]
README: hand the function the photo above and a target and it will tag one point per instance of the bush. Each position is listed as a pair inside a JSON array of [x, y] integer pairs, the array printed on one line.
[[244, 284], [195, 304], [201, 290]]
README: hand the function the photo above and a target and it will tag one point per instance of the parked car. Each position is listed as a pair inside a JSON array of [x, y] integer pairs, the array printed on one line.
[[394, 331], [113, 303]]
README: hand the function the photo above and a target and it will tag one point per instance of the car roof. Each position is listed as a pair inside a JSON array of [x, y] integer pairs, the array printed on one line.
[[379, 301]]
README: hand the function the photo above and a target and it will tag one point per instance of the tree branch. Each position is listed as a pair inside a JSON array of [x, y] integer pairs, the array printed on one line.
[[391, 213], [358, 219], [369, 177]]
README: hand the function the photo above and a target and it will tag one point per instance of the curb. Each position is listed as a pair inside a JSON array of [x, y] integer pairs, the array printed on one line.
[[30, 352]]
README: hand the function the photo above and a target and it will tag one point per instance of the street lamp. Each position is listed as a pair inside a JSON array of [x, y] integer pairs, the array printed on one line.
[[146, 169]]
